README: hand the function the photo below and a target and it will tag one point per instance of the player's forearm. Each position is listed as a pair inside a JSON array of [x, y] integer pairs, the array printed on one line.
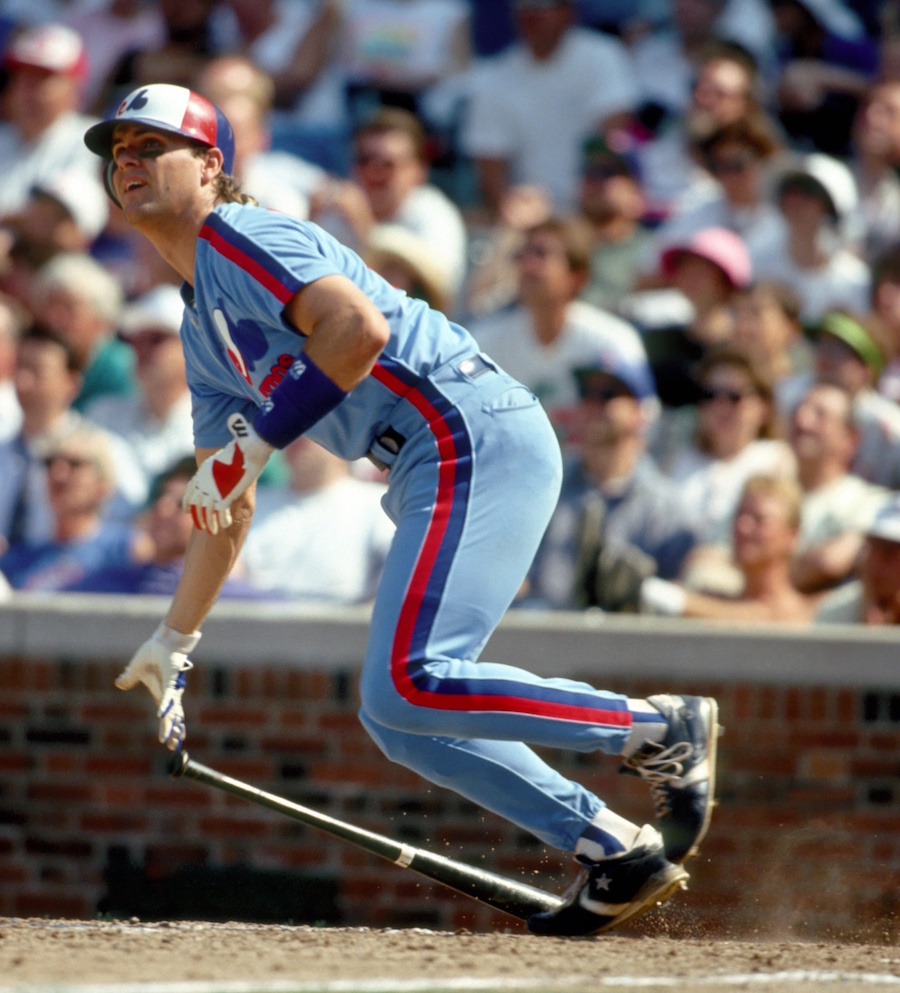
[[207, 564]]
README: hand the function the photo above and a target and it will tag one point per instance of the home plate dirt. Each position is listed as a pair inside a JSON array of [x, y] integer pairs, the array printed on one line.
[[114, 956]]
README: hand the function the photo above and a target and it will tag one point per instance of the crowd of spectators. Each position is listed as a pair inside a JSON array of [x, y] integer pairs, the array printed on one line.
[[676, 221]]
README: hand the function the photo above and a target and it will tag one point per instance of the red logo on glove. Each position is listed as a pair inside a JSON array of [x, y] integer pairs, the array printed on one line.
[[226, 475]]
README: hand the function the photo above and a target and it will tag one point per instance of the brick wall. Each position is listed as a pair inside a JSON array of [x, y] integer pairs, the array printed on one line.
[[805, 841]]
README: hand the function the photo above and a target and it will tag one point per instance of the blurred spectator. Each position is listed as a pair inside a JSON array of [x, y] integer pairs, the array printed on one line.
[[323, 538], [390, 185], [827, 64], [245, 95], [76, 296], [849, 353], [65, 213], [531, 108], [46, 381], [407, 262], [612, 200], [723, 91], [736, 436], [493, 279], [615, 504], [767, 327], [156, 421], [151, 563], [838, 506], [681, 41], [292, 41], [874, 596], [886, 309], [681, 323], [80, 480], [764, 536], [737, 155], [550, 332], [13, 320], [109, 29], [404, 53], [42, 133], [817, 198], [189, 41], [875, 164]]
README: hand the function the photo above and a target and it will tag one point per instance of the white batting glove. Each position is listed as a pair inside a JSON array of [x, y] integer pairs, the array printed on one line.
[[223, 477], [160, 664]]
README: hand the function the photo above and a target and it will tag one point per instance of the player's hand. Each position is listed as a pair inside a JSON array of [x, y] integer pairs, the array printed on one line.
[[160, 664], [223, 477]]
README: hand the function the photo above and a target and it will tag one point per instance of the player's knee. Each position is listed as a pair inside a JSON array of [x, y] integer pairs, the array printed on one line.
[[395, 745]]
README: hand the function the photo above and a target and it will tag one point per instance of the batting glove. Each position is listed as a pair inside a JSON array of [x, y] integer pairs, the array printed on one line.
[[223, 477], [160, 664]]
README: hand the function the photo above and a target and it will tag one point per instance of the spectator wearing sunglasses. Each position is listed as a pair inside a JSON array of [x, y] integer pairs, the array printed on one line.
[[738, 155], [616, 511], [80, 480], [736, 436]]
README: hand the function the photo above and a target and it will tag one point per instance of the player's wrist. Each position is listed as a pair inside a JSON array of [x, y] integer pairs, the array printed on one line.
[[301, 399], [176, 641]]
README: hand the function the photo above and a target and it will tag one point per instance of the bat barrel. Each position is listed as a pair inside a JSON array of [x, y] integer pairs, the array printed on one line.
[[514, 898]]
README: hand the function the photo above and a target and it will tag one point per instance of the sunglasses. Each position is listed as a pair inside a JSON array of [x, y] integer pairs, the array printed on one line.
[[710, 394], [71, 461], [603, 394]]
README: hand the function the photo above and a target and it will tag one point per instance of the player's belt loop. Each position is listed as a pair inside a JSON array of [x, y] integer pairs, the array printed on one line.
[[391, 442], [474, 366]]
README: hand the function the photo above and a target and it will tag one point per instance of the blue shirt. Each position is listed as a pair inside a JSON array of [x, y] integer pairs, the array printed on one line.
[[238, 346], [53, 565]]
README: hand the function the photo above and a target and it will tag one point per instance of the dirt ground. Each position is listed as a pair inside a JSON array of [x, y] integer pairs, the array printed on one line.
[[48, 954]]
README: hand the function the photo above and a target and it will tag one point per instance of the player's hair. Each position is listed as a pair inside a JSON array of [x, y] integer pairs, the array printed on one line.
[[225, 186]]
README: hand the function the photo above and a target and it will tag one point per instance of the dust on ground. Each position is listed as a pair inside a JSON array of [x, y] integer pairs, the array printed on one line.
[[44, 953]]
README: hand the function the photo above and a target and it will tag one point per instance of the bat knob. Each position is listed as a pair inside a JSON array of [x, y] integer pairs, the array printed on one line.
[[178, 764]]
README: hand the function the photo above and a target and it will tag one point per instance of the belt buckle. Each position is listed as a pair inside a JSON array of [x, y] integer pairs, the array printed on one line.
[[474, 366]]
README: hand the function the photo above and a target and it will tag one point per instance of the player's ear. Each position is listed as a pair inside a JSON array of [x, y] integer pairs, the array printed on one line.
[[213, 163]]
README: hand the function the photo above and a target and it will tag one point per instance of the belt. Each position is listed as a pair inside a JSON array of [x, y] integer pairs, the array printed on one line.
[[391, 441]]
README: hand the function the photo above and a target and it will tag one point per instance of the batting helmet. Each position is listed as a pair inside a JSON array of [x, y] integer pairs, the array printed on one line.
[[168, 108]]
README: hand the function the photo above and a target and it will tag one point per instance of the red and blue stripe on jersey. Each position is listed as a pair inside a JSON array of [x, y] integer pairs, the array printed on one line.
[[455, 467]]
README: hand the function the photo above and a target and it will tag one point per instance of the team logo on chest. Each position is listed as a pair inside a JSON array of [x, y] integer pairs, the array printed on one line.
[[230, 347]]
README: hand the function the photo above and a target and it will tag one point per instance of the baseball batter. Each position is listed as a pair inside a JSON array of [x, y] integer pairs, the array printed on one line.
[[286, 332]]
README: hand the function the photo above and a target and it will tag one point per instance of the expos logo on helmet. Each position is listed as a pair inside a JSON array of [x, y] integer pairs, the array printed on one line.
[[168, 108]]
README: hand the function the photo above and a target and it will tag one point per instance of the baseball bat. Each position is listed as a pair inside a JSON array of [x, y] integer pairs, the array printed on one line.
[[514, 898]]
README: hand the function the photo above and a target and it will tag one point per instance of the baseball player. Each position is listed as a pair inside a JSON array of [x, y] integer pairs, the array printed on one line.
[[286, 332]]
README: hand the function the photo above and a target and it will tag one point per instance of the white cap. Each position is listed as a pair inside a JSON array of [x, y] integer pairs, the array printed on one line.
[[159, 309], [831, 174], [887, 521], [82, 195]]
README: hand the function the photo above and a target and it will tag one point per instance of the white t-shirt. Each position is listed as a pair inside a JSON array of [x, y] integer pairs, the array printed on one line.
[[508, 337], [843, 282], [536, 114], [328, 546], [282, 181], [846, 504], [711, 488], [60, 148], [154, 444]]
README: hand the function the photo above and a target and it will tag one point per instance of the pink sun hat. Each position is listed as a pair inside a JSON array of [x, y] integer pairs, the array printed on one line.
[[720, 246]]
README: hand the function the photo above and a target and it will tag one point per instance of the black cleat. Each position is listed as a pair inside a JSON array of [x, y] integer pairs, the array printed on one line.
[[607, 893], [681, 771]]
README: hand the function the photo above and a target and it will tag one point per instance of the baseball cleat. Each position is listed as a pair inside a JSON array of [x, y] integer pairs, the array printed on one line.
[[681, 771], [608, 893]]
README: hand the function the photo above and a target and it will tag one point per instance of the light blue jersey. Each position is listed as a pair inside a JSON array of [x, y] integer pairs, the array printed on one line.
[[475, 472], [238, 346]]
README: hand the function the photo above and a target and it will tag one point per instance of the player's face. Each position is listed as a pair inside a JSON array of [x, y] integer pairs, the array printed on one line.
[[155, 171]]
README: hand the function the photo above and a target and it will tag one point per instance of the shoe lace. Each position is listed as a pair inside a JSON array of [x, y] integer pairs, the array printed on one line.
[[661, 771]]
